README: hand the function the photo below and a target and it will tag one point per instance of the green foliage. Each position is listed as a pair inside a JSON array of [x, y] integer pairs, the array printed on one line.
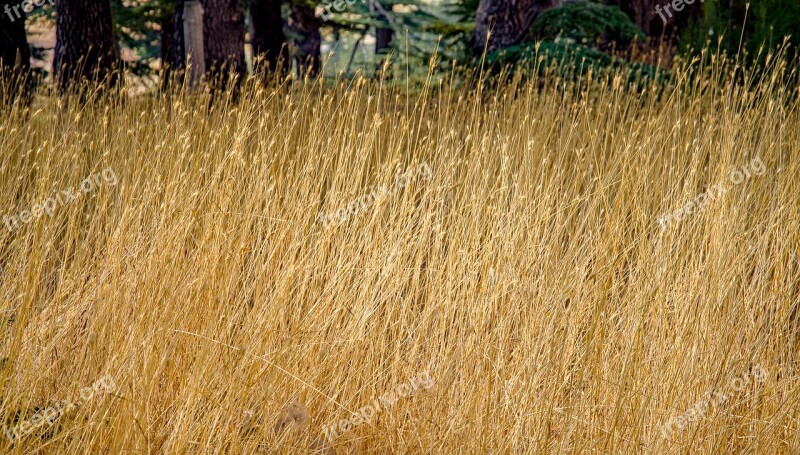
[[586, 23], [137, 26], [571, 61], [455, 26], [568, 42], [420, 31], [561, 53], [726, 23]]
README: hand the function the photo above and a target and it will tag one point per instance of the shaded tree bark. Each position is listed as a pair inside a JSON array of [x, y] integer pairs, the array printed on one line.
[[269, 41], [223, 37], [15, 55], [644, 14], [173, 47], [85, 46], [383, 36], [640, 11], [167, 38], [305, 25], [177, 54], [383, 39], [168, 44], [508, 21]]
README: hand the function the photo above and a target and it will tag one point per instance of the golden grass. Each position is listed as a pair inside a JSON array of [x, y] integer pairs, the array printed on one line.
[[529, 275]]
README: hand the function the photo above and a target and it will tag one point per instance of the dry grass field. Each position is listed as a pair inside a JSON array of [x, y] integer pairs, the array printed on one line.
[[452, 269]]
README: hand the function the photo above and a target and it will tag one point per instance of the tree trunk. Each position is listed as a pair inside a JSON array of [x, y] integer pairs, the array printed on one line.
[[383, 39], [269, 42], [640, 11], [15, 55], [173, 60], [305, 25], [85, 46], [177, 54], [194, 41], [508, 21], [223, 33], [167, 39], [167, 48]]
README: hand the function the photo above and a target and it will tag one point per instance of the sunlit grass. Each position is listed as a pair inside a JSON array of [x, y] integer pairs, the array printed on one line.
[[529, 274]]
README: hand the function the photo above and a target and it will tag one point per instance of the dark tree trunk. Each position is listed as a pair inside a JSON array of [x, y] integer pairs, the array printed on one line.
[[640, 11], [383, 39], [508, 20], [173, 49], [85, 46], [177, 56], [223, 37], [269, 42], [15, 55], [305, 25], [167, 39], [167, 48]]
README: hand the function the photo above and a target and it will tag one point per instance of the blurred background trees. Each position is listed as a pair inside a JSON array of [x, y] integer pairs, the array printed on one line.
[[90, 39], [509, 20], [304, 28], [765, 24], [15, 56]]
